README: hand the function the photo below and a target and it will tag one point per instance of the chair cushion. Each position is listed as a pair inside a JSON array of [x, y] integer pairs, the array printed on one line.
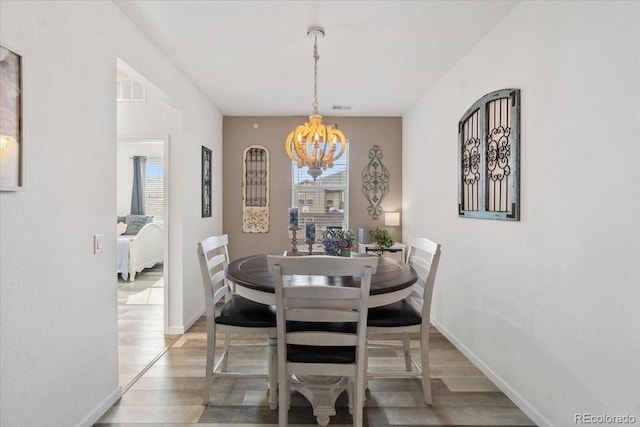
[[240, 311], [320, 354], [399, 313]]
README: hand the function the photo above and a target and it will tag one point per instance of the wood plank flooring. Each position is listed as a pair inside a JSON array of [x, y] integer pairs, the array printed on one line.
[[141, 335], [169, 393]]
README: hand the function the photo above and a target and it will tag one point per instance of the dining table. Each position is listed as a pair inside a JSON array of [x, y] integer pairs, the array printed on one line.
[[392, 281]]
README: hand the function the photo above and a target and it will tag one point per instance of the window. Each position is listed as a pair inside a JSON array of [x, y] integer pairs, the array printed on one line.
[[154, 189], [130, 91], [323, 201], [489, 161]]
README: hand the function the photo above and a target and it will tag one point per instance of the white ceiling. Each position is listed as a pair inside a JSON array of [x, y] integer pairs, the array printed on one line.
[[254, 57]]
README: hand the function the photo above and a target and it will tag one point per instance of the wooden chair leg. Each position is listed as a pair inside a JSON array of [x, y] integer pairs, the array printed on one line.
[[283, 401], [225, 353], [211, 353], [426, 370], [406, 346], [273, 372]]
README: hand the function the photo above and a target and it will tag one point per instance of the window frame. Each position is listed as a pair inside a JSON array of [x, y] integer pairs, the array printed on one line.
[[318, 210]]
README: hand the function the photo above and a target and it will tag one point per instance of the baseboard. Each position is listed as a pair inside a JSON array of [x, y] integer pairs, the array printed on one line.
[[179, 330], [531, 412], [101, 409]]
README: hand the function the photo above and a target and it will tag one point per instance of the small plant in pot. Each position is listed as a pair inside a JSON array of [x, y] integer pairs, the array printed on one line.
[[382, 239]]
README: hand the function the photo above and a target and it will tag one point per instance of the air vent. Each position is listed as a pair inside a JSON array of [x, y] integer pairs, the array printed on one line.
[[341, 107]]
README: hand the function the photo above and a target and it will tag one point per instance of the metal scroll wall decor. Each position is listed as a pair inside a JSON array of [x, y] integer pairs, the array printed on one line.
[[489, 157], [255, 190], [375, 182]]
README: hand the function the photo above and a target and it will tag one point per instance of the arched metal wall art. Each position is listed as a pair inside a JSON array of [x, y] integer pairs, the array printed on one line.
[[375, 182], [255, 190], [489, 157]]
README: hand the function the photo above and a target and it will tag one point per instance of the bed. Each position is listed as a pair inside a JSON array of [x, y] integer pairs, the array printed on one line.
[[142, 250]]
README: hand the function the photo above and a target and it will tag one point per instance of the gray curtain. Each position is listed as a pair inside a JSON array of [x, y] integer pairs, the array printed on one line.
[[137, 194]]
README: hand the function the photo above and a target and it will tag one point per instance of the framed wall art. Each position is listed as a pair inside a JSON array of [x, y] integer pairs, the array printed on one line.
[[206, 182], [11, 121], [255, 190], [489, 157]]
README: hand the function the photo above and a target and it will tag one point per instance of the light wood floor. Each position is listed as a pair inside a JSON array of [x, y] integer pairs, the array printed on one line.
[[169, 393], [141, 336]]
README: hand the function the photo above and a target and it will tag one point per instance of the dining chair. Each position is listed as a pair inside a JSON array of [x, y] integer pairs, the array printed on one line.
[[409, 316], [321, 328], [229, 313]]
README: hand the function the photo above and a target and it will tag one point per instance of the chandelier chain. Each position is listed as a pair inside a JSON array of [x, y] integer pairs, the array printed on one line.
[[315, 75]]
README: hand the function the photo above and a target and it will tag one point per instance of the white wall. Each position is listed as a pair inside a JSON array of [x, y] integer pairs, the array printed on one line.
[[548, 306], [58, 327]]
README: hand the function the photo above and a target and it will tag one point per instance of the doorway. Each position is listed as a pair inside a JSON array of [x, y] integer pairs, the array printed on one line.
[[142, 286], [144, 303]]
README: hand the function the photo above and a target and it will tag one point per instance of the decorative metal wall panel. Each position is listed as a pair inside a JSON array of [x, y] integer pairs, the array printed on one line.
[[255, 190], [488, 148], [375, 182]]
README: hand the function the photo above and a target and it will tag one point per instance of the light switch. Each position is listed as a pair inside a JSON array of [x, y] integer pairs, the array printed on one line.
[[98, 243]]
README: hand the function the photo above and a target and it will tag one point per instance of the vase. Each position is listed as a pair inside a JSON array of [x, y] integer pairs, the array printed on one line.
[[345, 252]]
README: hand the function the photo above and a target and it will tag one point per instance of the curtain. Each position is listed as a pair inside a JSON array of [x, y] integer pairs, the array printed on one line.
[[137, 193]]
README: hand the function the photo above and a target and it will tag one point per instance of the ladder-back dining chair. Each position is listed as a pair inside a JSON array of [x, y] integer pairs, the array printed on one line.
[[409, 316], [321, 328], [229, 314]]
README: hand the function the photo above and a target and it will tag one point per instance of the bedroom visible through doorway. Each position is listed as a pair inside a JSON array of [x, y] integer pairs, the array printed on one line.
[[141, 255]]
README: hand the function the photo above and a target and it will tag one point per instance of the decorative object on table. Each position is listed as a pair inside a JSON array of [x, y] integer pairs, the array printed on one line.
[[489, 157], [375, 182], [11, 121], [294, 226], [206, 182], [310, 235], [382, 239], [315, 144], [338, 242], [255, 190], [364, 235]]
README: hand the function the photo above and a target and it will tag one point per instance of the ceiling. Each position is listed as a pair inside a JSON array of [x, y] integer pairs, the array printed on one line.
[[254, 57]]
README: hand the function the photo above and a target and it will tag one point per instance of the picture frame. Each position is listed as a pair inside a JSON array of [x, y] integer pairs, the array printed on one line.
[[206, 182], [11, 119]]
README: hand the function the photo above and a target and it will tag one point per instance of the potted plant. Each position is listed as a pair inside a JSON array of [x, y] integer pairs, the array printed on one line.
[[382, 239]]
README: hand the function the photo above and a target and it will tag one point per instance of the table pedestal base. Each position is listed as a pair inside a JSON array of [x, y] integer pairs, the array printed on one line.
[[322, 392]]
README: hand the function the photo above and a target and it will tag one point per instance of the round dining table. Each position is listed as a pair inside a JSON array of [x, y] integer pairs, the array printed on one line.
[[391, 282]]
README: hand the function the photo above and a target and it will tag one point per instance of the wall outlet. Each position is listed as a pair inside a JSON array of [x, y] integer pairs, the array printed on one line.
[[98, 243]]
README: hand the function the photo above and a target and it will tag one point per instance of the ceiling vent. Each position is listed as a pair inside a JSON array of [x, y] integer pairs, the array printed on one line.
[[341, 107]]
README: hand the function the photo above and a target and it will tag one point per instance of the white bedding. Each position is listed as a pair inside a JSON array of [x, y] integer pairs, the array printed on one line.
[[123, 255]]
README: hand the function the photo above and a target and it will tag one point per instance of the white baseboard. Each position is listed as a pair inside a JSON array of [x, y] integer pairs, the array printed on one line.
[[179, 330], [531, 412], [102, 408]]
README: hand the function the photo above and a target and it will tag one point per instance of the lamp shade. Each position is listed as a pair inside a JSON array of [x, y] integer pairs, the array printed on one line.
[[392, 219]]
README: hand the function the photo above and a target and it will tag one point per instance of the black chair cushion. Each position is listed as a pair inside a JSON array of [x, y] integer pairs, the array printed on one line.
[[240, 311], [399, 313], [320, 354]]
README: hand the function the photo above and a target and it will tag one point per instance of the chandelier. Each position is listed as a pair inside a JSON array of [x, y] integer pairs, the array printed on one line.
[[315, 144]]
